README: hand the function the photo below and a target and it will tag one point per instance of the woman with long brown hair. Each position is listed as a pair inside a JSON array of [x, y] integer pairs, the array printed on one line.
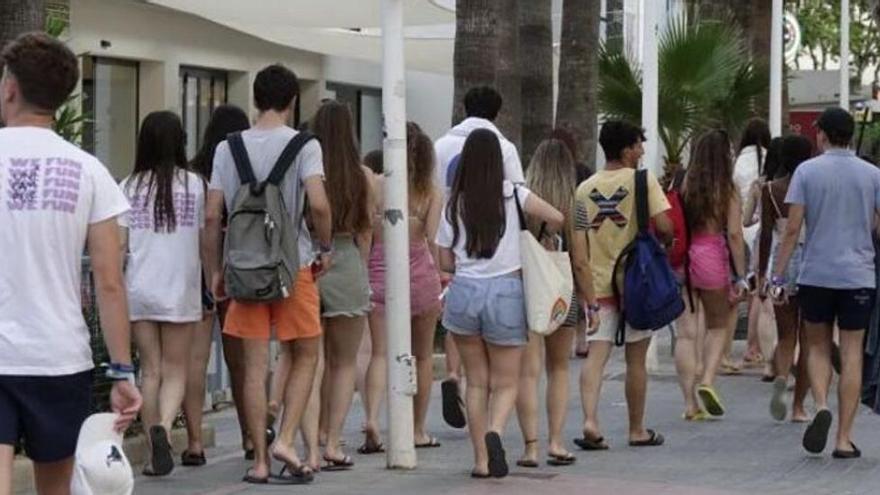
[[345, 289], [485, 307], [552, 176], [425, 204], [714, 216]]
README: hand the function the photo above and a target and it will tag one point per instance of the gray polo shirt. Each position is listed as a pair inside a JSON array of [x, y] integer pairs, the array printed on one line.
[[840, 194]]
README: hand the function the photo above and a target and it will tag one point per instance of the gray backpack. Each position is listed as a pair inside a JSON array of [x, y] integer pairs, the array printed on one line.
[[261, 253]]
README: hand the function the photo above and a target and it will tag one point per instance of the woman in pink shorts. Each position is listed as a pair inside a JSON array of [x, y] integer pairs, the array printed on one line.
[[714, 217], [425, 205]]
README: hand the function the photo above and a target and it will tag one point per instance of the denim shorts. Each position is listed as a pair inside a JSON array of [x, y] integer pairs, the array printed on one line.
[[491, 308]]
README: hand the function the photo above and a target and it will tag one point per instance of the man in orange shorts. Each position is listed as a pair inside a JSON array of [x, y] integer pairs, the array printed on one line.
[[295, 318]]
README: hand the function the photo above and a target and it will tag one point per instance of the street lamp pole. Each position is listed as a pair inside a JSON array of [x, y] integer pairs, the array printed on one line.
[[776, 69], [401, 363], [844, 54], [651, 83]]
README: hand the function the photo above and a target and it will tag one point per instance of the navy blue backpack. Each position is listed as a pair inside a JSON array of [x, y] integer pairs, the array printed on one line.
[[652, 294]]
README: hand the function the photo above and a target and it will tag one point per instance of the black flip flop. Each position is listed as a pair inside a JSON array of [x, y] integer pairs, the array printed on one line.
[[587, 443], [561, 460], [161, 461], [655, 440], [816, 435], [453, 412], [192, 459], [254, 480], [343, 464], [432, 443], [527, 463], [370, 447], [299, 474], [497, 461], [855, 453]]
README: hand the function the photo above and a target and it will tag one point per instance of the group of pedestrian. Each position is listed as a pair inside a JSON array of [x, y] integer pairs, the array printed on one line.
[[276, 233]]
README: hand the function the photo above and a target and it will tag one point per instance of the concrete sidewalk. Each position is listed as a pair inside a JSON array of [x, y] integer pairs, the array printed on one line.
[[745, 453]]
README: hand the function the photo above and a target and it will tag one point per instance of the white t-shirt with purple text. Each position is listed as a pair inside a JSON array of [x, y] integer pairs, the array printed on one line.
[[164, 269], [50, 193]]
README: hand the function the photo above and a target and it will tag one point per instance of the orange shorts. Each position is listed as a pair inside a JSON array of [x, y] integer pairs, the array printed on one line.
[[296, 317]]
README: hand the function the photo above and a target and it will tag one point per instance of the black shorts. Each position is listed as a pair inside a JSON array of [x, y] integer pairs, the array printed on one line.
[[850, 308], [46, 412]]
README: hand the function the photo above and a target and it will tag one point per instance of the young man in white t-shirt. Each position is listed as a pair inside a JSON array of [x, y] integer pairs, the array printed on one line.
[[55, 200], [296, 318]]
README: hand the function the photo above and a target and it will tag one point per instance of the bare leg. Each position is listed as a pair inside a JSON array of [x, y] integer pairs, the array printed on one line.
[[558, 348], [719, 314], [527, 397], [53, 478], [753, 342], [343, 340], [637, 388], [323, 419], [476, 368], [818, 337], [453, 357], [302, 360], [280, 376], [423, 328], [309, 423], [766, 334], [376, 377], [149, 345], [176, 341], [7, 455], [686, 358], [787, 322], [504, 364], [850, 387], [194, 398], [591, 385], [233, 354], [256, 364], [802, 380]]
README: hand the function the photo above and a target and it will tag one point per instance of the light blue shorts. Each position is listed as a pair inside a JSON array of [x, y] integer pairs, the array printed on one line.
[[491, 308]]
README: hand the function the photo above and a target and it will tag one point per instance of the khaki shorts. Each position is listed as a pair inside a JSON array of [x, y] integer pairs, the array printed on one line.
[[609, 318], [295, 317]]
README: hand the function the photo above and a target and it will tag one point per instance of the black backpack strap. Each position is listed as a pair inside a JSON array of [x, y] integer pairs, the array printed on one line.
[[240, 157], [287, 157], [620, 335], [642, 216], [519, 209]]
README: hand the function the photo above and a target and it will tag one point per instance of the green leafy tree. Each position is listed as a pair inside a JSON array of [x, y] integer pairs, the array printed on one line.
[[706, 80]]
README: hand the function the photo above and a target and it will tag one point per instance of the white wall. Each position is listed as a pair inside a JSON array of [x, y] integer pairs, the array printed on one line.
[[163, 40], [428, 95]]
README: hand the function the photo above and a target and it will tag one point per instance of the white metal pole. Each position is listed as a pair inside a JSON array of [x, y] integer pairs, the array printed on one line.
[[844, 53], [776, 70], [651, 84], [401, 363]]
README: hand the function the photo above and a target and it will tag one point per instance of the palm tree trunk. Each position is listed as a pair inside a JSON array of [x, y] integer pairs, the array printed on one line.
[[20, 16], [536, 47], [476, 48], [758, 29], [508, 79], [577, 107]]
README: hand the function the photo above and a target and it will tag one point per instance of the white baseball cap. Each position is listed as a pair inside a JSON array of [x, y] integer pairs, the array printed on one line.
[[100, 467]]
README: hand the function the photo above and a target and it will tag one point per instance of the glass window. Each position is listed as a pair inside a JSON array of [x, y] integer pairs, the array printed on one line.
[[201, 92], [110, 100]]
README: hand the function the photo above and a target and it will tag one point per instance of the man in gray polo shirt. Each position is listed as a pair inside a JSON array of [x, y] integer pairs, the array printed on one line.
[[838, 196]]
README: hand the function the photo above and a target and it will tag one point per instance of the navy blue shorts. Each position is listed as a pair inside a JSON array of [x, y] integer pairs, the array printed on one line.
[[850, 308], [46, 412]]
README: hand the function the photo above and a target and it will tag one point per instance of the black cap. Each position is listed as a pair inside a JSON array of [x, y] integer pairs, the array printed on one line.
[[838, 125]]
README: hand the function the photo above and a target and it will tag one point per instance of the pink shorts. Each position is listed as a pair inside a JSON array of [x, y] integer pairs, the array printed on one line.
[[709, 262], [424, 286]]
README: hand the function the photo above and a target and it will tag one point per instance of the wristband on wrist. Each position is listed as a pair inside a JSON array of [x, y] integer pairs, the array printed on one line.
[[120, 372], [777, 280], [593, 308], [325, 248]]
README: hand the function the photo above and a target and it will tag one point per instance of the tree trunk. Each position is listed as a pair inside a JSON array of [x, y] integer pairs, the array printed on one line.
[[508, 79], [758, 30], [536, 47], [476, 49], [577, 108], [20, 16]]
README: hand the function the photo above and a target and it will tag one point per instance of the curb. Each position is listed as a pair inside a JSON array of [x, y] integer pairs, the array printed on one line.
[[135, 449]]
